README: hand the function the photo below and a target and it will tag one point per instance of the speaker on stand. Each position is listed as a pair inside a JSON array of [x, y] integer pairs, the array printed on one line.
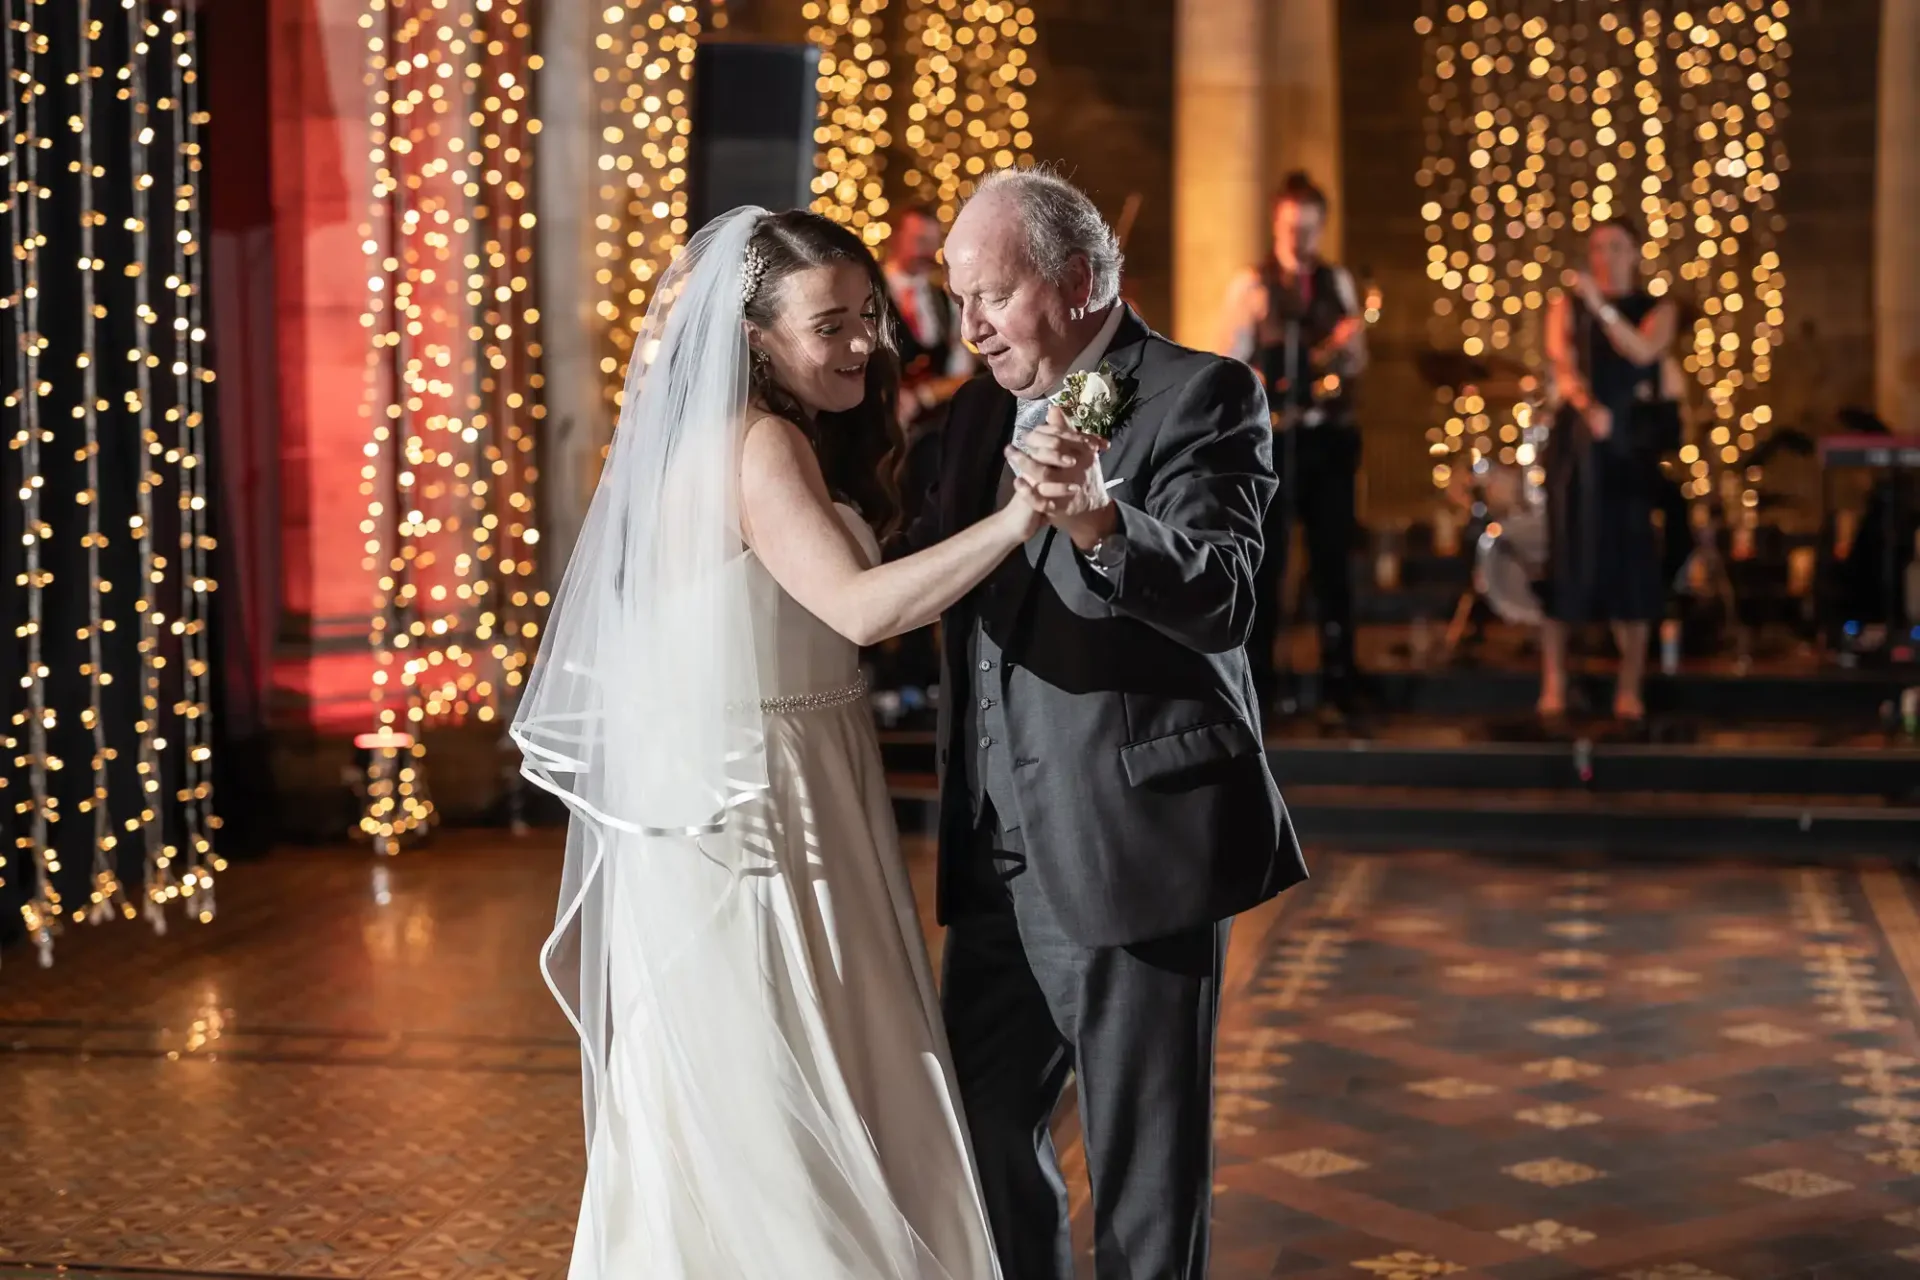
[[755, 108]]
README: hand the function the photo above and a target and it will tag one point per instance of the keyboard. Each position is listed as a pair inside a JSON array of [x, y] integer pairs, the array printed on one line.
[[1876, 452]]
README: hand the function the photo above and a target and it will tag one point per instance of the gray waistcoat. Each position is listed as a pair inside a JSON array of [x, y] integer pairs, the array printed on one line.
[[983, 715]]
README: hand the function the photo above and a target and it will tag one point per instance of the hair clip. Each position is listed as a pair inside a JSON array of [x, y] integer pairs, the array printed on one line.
[[752, 272]]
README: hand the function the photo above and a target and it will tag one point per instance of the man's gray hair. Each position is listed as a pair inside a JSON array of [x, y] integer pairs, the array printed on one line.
[[1060, 221]]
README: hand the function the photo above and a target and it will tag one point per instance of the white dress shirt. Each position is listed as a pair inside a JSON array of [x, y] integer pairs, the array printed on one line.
[[1032, 413]]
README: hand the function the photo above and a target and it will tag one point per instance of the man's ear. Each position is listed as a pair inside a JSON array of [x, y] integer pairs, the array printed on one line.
[[1079, 282]]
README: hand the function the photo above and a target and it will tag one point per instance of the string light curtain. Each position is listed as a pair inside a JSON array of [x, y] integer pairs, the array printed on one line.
[[643, 92], [105, 584], [852, 136], [454, 382], [1546, 116], [971, 73]]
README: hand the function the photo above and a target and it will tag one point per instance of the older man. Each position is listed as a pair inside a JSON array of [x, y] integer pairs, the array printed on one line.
[[1106, 801]]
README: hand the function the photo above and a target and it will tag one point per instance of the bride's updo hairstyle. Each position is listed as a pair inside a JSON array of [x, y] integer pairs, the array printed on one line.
[[860, 449]]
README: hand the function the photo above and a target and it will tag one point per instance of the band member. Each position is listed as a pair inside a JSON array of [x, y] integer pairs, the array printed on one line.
[[933, 359], [1607, 343], [1297, 321], [934, 363]]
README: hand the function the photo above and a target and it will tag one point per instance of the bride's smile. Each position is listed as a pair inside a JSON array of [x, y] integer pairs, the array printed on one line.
[[821, 335]]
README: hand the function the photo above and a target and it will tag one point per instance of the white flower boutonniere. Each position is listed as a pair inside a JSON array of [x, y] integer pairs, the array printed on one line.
[[1093, 401]]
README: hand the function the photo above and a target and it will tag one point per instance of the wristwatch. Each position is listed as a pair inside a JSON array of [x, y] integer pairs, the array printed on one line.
[[1105, 555]]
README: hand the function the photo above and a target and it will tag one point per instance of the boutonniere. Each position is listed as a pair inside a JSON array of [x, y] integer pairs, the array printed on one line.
[[1094, 401]]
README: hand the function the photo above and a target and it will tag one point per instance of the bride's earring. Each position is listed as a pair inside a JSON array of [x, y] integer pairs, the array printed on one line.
[[1078, 313]]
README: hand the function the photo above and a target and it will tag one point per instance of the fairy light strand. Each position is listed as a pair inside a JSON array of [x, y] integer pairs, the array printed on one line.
[[42, 909], [971, 78], [106, 894], [196, 586], [395, 808], [510, 381], [124, 821], [454, 382], [852, 135], [1542, 123], [158, 879], [643, 83], [10, 171]]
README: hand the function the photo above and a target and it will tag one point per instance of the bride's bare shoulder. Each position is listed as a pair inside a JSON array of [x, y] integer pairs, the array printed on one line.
[[761, 423], [775, 451], [770, 439]]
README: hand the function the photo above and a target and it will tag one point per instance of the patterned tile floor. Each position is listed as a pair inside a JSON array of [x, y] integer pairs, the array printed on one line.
[[1432, 1065]]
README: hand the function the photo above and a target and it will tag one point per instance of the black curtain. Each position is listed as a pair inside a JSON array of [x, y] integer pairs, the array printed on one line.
[[243, 335], [79, 121]]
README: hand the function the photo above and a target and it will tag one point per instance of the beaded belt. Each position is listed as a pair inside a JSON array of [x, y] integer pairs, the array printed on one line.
[[815, 701]]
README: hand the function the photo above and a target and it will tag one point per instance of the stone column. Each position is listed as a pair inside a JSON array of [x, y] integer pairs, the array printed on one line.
[[1219, 155], [1303, 103], [322, 666], [1896, 220], [579, 419]]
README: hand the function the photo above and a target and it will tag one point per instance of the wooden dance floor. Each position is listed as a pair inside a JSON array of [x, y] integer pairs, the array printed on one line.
[[1431, 1066]]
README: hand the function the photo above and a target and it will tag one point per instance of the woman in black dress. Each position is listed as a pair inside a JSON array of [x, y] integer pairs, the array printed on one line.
[[1606, 340]]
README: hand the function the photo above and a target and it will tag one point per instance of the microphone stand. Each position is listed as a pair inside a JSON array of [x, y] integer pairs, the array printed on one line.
[[1285, 689]]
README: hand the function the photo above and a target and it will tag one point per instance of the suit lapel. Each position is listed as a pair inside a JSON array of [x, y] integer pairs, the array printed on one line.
[[1129, 346], [1126, 355]]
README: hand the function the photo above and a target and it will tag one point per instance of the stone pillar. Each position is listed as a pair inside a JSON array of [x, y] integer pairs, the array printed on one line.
[[1303, 104], [322, 666], [1896, 222], [579, 418], [1219, 156]]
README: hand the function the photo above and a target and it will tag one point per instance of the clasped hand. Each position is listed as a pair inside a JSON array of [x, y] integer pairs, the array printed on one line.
[[1059, 471]]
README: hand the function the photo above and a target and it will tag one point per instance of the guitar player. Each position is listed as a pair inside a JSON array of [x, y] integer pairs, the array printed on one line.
[[1298, 321]]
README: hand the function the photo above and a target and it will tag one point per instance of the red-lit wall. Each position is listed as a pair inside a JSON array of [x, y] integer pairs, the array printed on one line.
[[322, 668]]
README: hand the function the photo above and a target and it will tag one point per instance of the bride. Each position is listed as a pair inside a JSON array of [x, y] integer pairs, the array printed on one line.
[[768, 1087]]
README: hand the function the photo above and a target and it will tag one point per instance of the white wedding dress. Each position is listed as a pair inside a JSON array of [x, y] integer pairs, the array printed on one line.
[[841, 1154]]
